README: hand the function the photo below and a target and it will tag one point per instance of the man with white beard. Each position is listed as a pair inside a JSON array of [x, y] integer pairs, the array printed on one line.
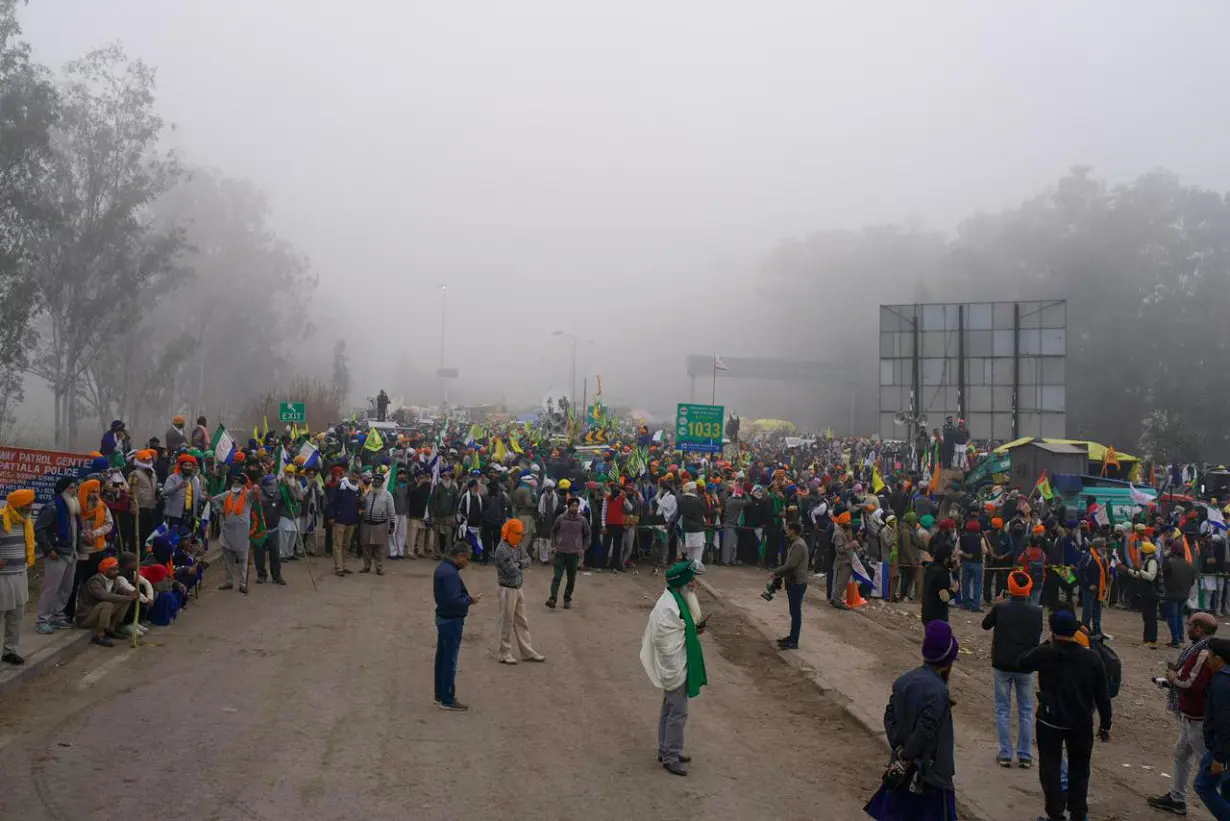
[[673, 660]]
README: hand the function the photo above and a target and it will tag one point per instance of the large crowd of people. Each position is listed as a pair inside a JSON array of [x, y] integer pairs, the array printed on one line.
[[123, 551]]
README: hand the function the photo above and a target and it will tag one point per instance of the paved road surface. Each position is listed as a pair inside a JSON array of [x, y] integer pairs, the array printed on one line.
[[291, 703]]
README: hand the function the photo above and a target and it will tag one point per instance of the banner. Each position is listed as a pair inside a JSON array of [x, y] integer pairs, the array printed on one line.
[[38, 470]]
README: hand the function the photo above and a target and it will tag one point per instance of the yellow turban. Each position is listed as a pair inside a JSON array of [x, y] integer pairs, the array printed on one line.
[[23, 497]]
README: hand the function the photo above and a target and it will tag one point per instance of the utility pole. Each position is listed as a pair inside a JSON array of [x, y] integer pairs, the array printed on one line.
[[572, 383]]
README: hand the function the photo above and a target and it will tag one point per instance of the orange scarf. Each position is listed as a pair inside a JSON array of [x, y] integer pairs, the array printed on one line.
[[93, 517], [229, 504], [1093, 554]]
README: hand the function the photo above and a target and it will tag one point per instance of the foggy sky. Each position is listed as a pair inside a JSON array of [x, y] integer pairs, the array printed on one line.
[[620, 170]]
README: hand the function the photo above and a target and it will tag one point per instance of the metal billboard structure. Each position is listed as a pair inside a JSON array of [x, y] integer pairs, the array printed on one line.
[[1001, 366]]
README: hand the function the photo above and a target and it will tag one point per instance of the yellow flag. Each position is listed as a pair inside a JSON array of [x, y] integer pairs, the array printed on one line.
[[500, 450], [516, 444], [374, 442], [256, 433], [294, 431], [266, 425], [877, 483]]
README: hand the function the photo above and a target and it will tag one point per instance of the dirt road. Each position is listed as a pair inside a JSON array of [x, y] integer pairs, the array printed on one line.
[[861, 653], [294, 703]]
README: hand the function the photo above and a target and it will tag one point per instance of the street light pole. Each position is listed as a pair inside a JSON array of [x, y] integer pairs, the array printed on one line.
[[443, 305], [443, 314], [574, 340]]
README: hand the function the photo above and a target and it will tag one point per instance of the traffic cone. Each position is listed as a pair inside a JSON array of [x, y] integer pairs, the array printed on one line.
[[854, 599]]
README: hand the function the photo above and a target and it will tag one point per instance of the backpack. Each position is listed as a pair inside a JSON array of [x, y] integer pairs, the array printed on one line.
[[1111, 663]]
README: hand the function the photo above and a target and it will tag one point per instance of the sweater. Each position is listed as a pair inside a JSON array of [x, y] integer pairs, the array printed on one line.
[[1018, 629], [510, 562], [378, 507], [570, 534], [452, 599], [1071, 683]]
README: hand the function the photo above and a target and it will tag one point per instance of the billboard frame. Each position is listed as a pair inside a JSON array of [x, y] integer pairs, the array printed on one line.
[[996, 334]]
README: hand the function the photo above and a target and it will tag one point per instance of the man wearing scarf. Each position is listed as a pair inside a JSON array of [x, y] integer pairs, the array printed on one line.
[[181, 493], [55, 532], [16, 554], [1189, 681], [236, 508], [672, 657], [96, 525]]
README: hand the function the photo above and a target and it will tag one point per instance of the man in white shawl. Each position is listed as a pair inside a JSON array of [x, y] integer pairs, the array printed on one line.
[[672, 657]]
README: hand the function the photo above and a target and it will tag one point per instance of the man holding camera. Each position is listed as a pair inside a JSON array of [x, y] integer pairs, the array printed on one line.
[[793, 574], [1187, 681]]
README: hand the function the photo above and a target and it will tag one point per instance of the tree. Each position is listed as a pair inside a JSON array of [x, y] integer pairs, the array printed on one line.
[[104, 249], [28, 109], [247, 305], [1144, 267], [341, 371]]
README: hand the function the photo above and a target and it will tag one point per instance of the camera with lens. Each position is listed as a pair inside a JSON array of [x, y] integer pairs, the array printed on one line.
[[774, 585]]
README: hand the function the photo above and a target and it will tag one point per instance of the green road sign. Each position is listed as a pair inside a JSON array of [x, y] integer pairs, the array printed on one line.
[[698, 428], [292, 412]]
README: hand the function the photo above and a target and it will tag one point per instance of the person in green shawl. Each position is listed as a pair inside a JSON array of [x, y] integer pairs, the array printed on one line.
[[673, 660]]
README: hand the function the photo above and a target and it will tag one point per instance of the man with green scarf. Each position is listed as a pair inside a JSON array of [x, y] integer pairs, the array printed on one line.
[[672, 657]]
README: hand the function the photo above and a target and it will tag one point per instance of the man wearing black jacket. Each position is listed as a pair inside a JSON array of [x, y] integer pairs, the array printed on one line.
[[1018, 629], [1211, 781], [1071, 683]]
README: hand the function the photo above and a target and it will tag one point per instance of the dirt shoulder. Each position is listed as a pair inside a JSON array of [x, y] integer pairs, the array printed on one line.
[[859, 655]]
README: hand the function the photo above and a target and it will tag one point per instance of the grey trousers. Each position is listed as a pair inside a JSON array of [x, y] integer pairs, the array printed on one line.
[[671, 722], [286, 543], [236, 566], [629, 542], [842, 571], [1188, 749], [12, 628], [57, 585], [730, 541]]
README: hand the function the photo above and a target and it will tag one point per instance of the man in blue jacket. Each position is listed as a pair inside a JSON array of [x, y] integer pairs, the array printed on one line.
[[452, 604], [1212, 780]]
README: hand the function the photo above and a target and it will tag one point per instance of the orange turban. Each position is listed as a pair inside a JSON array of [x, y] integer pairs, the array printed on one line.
[[843, 518], [23, 497], [1019, 583], [1039, 530], [108, 563], [997, 523], [512, 532]]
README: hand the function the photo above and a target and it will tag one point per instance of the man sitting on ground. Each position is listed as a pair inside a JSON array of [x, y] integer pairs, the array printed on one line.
[[101, 607]]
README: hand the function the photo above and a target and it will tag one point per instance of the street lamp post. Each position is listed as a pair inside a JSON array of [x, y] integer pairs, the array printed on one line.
[[443, 313], [572, 385]]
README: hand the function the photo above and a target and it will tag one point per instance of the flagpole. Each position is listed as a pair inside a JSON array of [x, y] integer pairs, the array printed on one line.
[[713, 397]]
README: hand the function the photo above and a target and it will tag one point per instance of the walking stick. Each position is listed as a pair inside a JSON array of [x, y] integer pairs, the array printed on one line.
[[306, 558], [136, 605]]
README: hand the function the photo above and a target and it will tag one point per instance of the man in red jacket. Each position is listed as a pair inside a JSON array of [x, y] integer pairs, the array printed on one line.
[[613, 526], [1188, 679]]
